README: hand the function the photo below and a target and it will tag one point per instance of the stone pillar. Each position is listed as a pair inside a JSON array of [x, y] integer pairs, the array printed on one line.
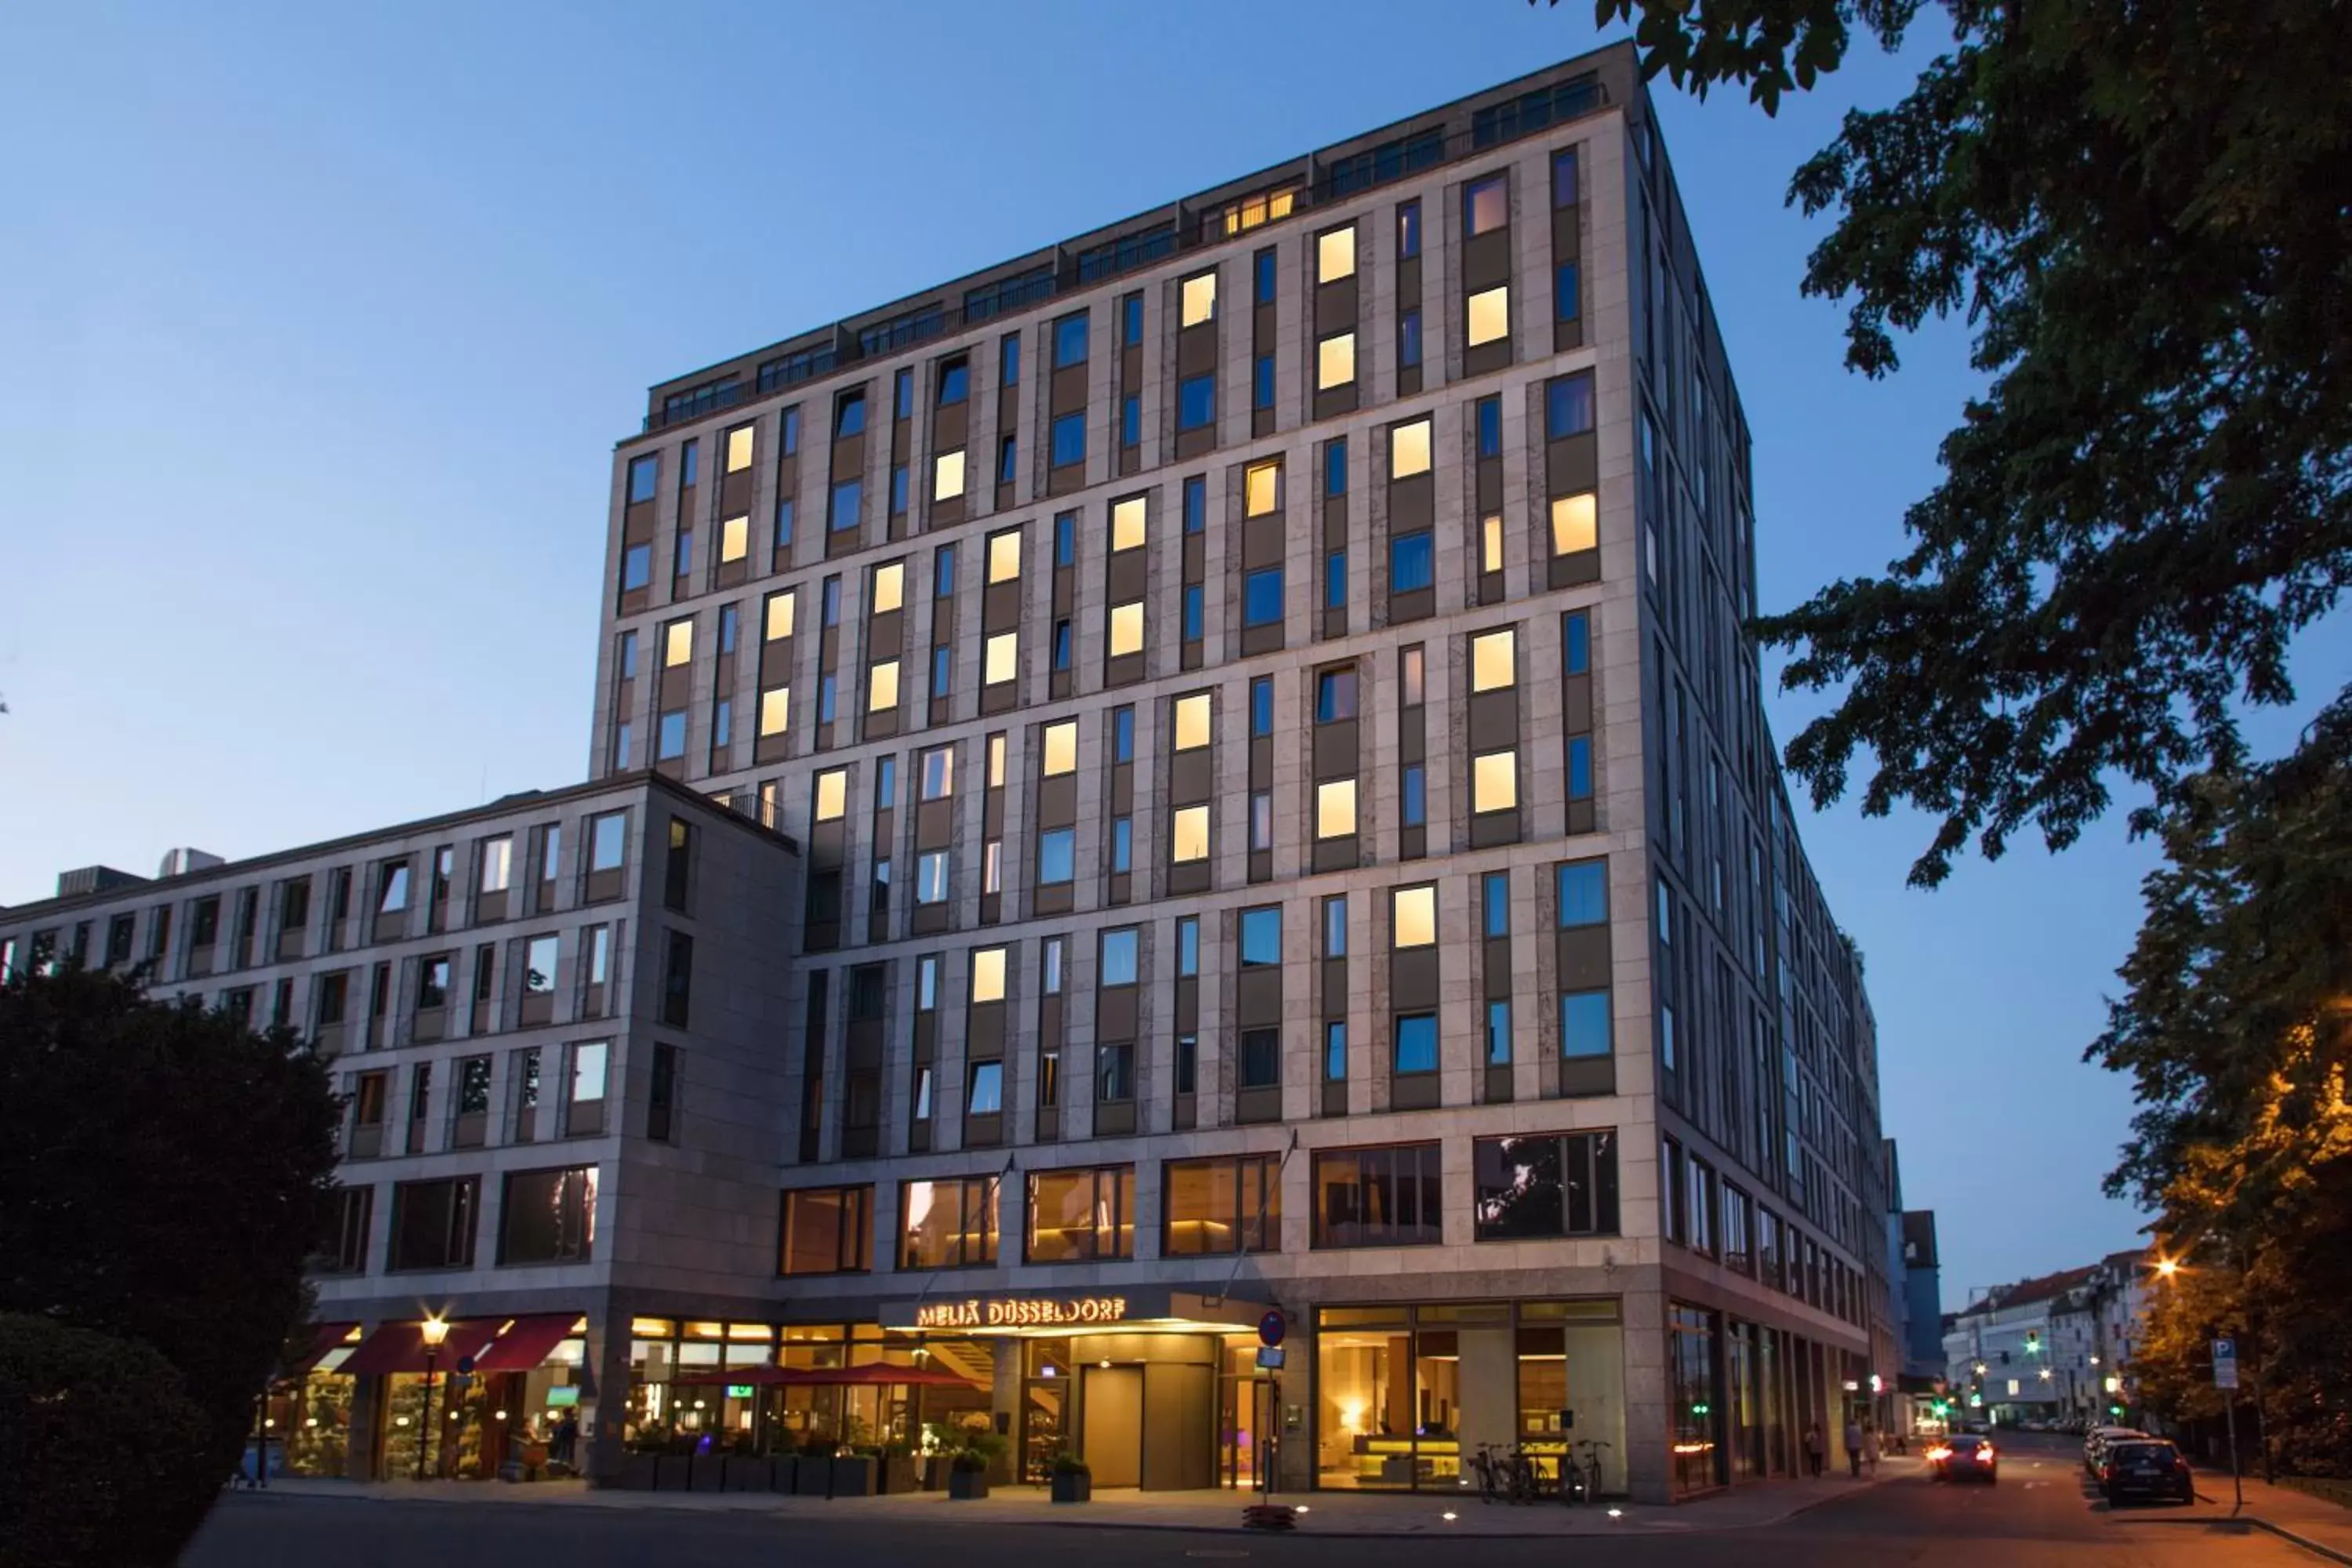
[[604, 1391], [1004, 1408]]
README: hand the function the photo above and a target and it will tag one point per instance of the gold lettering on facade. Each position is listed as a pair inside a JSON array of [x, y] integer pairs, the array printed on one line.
[[1021, 1313]]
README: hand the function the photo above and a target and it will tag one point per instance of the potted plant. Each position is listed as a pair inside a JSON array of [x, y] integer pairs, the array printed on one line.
[[1072, 1481], [895, 1467], [813, 1475], [968, 1471]]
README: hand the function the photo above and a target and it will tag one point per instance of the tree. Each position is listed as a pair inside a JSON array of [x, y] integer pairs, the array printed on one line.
[[2135, 204], [165, 1173]]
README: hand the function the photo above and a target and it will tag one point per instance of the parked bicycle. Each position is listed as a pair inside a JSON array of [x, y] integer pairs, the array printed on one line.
[[1589, 1464]]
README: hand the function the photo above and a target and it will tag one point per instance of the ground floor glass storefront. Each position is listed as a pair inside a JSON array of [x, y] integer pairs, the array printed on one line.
[[1406, 1396]]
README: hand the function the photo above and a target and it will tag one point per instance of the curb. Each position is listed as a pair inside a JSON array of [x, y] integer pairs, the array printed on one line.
[[2251, 1520]]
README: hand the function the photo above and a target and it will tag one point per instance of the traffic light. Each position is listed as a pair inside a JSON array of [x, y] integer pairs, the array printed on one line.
[[2117, 1411], [2033, 1341]]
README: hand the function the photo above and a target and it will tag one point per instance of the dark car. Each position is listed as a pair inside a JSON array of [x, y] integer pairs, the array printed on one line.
[[2147, 1467], [1962, 1458]]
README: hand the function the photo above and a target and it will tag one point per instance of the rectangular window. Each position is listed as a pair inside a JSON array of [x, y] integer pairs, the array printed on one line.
[[547, 1217], [1261, 937], [1335, 695], [1334, 254], [1335, 360], [1495, 898], [1583, 893], [1070, 341], [828, 1230], [1194, 610], [1567, 405], [1061, 749], [1057, 855], [678, 979], [1378, 1197], [1408, 215], [1584, 1029], [1498, 1034], [1563, 178], [1416, 1044], [1262, 381], [1262, 706], [1335, 808], [1495, 782], [1546, 1185], [1413, 561], [849, 414], [645, 475], [1079, 1216], [948, 1224], [1261, 1058], [1118, 958], [1196, 401], [1122, 844], [1409, 447], [847, 498], [1489, 314], [947, 475], [1069, 437], [1579, 767], [1261, 597], [1334, 580], [1335, 466], [1008, 359], [1485, 206], [1574, 524], [1262, 276], [1415, 803], [1494, 660], [433, 1224], [1409, 340], [1066, 539], [1198, 295], [1564, 292], [1008, 461], [1222, 1206]]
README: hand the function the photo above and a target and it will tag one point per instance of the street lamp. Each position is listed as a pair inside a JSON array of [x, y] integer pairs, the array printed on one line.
[[431, 1330], [2166, 1268]]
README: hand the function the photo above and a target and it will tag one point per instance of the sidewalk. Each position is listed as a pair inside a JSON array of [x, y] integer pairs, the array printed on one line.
[[2311, 1522], [1744, 1507]]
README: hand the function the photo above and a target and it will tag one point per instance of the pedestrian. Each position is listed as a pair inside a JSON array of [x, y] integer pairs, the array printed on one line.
[[1870, 1449], [567, 1433], [1853, 1446], [1816, 1446]]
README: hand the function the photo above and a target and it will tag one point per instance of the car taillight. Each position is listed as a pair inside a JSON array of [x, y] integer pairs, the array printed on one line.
[[1940, 1452], [1985, 1454], [2107, 1472]]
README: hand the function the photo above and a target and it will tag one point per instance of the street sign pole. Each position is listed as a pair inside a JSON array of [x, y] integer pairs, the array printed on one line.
[[2225, 1377]]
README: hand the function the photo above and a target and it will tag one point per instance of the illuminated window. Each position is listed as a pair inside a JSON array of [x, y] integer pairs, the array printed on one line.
[[1335, 362], [1409, 450], [1335, 809], [1262, 486], [882, 686], [1490, 315], [775, 710], [780, 614], [1200, 299], [831, 794], [734, 538], [947, 476], [1189, 834], [1335, 255], [1192, 721], [677, 642], [1573, 524], [1002, 658], [996, 762], [1490, 545], [988, 975], [1485, 206], [889, 587], [1493, 666], [1413, 914], [738, 448], [1062, 748], [1495, 782], [1005, 555], [1126, 629], [1127, 523]]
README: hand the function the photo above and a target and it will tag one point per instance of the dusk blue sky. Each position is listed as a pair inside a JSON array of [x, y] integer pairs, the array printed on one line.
[[319, 322]]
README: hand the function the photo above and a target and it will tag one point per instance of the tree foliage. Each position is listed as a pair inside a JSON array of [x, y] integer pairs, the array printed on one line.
[[163, 1171], [2135, 204]]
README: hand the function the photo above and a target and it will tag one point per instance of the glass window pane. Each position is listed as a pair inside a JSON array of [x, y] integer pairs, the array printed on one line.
[[1414, 915]]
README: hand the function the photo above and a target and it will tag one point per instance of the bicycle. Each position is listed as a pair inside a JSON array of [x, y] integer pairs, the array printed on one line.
[[1590, 1466], [1490, 1484]]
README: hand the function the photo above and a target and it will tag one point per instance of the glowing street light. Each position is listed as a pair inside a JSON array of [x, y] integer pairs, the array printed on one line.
[[2166, 1268], [431, 1330]]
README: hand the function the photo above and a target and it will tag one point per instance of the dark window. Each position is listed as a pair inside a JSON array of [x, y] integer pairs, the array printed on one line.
[[688, 464], [343, 1249], [1070, 341], [1008, 361], [1223, 1205], [1130, 421], [1413, 561], [1576, 642], [1066, 539], [1584, 893], [902, 394], [848, 496], [678, 979], [1261, 937], [1416, 1043], [1490, 427], [1485, 206], [1496, 889], [549, 1217], [1563, 179], [790, 424], [1335, 695], [1416, 795], [1261, 597], [1262, 382], [1196, 402], [955, 380], [783, 525], [1563, 291], [636, 567], [1334, 580], [849, 414], [1130, 320], [1378, 1197], [1008, 294], [1408, 230], [433, 1224], [1261, 1061], [1007, 460], [1196, 504], [1194, 601], [828, 1230], [1546, 1186], [1262, 274], [1567, 405], [898, 489], [1335, 468], [1122, 735], [1069, 440], [1409, 340], [645, 475], [1261, 705]]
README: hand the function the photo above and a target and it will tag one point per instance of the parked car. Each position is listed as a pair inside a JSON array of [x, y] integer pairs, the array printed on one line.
[[2148, 1468], [2095, 1441], [1963, 1458]]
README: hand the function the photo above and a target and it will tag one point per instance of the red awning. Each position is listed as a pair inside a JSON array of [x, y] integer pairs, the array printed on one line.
[[400, 1347], [526, 1342], [324, 1338], [883, 1374]]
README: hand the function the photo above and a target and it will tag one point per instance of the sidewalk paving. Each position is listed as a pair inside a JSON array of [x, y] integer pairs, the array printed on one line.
[[2311, 1522], [1744, 1507]]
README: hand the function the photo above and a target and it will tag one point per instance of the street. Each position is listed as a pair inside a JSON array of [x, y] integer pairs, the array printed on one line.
[[2038, 1515]]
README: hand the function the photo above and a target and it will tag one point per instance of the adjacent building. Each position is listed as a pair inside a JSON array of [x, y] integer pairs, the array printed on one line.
[[1225, 757], [2055, 1348]]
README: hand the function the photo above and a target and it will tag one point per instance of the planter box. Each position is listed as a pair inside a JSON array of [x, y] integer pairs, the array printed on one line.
[[815, 1476], [1069, 1486], [745, 1473], [966, 1486], [896, 1475], [935, 1472], [639, 1472], [785, 1473], [853, 1477]]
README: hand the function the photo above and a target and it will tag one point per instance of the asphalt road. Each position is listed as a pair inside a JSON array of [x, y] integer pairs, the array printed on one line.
[[2039, 1516]]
